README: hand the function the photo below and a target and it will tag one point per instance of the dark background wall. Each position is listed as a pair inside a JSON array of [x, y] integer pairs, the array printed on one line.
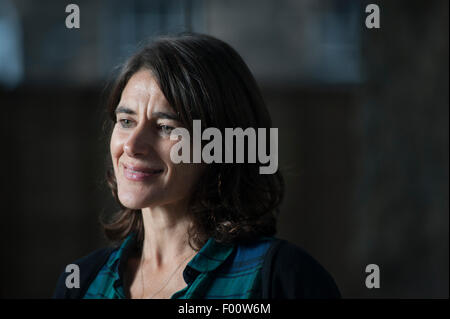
[[362, 117]]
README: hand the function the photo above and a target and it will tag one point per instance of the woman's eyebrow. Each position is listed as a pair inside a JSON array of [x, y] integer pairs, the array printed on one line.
[[161, 115], [169, 116], [124, 109]]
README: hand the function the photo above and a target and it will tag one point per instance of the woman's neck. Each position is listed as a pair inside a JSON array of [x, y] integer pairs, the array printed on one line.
[[165, 235]]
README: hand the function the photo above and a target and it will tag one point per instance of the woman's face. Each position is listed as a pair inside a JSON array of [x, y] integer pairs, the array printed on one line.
[[140, 148]]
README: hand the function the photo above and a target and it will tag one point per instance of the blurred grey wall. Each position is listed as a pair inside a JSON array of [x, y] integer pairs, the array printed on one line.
[[362, 117]]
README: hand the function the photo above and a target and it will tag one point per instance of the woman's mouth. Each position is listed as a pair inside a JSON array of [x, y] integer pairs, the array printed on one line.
[[134, 173]]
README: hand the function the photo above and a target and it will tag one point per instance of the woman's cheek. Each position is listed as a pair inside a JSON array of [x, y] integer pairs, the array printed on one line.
[[116, 147], [163, 150]]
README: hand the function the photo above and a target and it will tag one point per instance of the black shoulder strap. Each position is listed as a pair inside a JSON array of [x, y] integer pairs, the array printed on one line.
[[89, 266]]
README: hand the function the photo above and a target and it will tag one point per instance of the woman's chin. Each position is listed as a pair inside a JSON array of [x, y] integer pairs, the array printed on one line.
[[134, 202]]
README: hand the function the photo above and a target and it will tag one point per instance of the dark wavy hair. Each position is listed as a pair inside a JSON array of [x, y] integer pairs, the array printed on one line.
[[204, 78]]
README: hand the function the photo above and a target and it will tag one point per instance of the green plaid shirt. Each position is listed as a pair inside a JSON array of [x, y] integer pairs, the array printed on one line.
[[216, 272]]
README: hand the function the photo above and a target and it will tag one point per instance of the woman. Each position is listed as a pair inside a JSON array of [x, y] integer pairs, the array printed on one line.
[[191, 230]]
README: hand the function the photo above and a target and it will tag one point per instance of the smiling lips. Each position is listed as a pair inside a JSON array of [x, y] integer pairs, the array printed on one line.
[[140, 173]]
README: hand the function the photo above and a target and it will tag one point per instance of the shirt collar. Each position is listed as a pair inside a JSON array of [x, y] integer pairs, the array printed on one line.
[[122, 252], [117, 264], [210, 257]]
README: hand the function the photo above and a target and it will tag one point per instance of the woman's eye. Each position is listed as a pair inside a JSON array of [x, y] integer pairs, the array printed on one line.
[[125, 123], [166, 129]]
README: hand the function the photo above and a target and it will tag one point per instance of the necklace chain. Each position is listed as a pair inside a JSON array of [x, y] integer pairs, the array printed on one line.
[[167, 281]]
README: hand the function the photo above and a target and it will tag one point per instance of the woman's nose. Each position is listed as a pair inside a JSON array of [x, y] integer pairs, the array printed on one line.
[[137, 143]]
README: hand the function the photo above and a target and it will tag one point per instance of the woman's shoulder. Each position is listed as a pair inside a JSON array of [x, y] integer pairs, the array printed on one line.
[[291, 272], [87, 268]]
